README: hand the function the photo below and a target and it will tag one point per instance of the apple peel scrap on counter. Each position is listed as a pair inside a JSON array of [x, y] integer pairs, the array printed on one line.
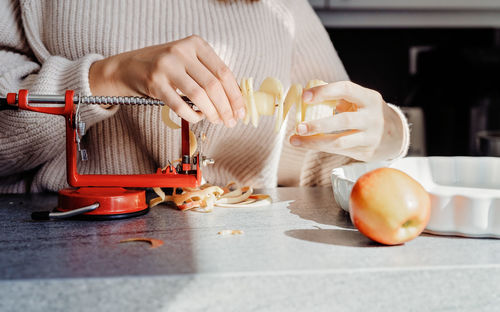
[[230, 232], [207, 196], [152, 241]]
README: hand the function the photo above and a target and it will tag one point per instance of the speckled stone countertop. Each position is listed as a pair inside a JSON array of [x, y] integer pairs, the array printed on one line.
[[300, 254]]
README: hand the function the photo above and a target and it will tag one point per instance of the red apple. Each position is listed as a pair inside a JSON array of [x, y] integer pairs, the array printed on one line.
[[389, 206]]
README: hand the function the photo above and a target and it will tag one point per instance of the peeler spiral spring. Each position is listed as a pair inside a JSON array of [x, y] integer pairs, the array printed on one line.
[[125, 100]]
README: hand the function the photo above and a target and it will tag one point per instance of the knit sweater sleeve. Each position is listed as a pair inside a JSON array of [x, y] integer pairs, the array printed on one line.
[[315, 58], [29, 139]]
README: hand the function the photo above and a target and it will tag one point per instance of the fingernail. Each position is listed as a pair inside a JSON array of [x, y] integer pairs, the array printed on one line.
[[294, 141], [302, 129], [231, 123], [241, 113], [307, 96]]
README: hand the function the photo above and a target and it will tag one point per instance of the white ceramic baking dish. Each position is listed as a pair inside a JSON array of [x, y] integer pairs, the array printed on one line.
[[465, 191]]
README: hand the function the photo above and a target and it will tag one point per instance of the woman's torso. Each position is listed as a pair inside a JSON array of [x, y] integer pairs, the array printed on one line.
[[255, 39]]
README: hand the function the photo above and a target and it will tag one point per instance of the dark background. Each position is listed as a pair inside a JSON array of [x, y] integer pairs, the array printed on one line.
[[456, 83]]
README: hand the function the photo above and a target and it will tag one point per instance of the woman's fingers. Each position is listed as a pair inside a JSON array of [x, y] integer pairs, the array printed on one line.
[[345, 90], [332, 143], [365, 120], [192, 66], [345, 106], [339, 122], [212, 87], [168, 95], [197, 95], [221, 71]]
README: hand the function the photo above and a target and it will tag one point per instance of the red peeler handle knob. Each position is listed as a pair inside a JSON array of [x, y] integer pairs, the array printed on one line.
[[11, 99]]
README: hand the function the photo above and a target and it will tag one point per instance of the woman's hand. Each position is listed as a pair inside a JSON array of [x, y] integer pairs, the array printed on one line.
[[365, 127], [189, 64]]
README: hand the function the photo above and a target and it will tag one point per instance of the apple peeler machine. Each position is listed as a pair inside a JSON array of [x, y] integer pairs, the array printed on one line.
[[97, 196]]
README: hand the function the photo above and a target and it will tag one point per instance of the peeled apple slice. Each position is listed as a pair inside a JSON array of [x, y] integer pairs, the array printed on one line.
[[300, 110], [165, 117], [293, 97], [193, 143], [244, 93], [264, 102], [255, 114], [274, 87], [315, 83], [248, 95]]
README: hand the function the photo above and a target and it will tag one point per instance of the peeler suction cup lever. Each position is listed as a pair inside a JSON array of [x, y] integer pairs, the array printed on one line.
[[47, 215]]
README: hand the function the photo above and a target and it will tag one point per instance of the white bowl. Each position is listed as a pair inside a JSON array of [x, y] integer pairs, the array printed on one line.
[[465, 191]]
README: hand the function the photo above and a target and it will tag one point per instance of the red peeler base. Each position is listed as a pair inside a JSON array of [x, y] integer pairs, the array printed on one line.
[[114, 202]]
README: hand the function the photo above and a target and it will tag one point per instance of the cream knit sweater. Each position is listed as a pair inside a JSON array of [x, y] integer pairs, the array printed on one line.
[[47, 46]]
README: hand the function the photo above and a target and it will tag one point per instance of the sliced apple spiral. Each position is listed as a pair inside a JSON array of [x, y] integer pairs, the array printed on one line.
[[270, 99], [267, 101], [263, 102]]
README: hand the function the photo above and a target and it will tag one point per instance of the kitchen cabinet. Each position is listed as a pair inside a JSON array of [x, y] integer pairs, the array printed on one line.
[[407, 13], [414, 5]]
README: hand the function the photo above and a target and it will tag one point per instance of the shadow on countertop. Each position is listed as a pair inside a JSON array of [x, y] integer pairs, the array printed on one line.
[[327, 213], [339, 237], [82, 248]]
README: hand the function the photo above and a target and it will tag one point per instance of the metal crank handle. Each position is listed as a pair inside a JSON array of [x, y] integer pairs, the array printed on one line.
[[5, 106]]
